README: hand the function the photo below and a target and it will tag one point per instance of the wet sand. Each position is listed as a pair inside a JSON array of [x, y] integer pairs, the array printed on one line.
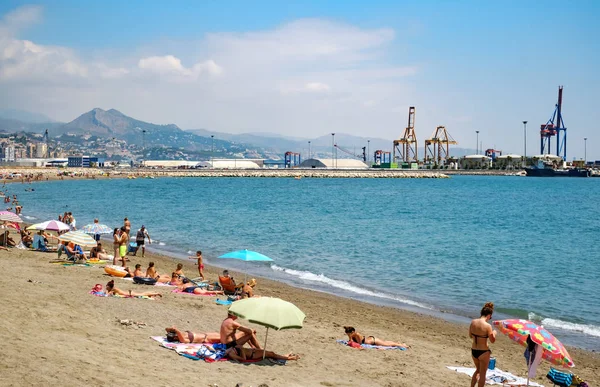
[[55, 333]]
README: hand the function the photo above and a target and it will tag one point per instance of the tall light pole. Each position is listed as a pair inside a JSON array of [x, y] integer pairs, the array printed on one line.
[[332, 146], [368, 151], [212, 150], [309, 150], [584, 151], [143, 147], [477, 144], [525, 141]]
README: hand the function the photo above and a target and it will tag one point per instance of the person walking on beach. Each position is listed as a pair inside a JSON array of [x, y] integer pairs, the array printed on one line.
[[233, 333], [200, 264], [96, 236], [480, 331], [140, 238]]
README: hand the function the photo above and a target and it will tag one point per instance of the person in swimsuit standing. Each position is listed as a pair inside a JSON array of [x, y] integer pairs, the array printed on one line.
[[480, 331], [127, 225], [200, 264], [116, 243], [123, 242], [353, 335]]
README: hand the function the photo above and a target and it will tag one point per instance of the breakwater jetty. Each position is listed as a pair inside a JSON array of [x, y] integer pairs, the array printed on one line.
[[23, 174]]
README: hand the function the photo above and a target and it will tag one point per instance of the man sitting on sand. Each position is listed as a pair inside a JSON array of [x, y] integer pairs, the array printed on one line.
[[138, 272], [173, 334], [234, 334]]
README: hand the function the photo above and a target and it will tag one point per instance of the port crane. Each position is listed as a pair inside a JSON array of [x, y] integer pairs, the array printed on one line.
[[437, 147], [363, 156], [554, 127], [406, 146]]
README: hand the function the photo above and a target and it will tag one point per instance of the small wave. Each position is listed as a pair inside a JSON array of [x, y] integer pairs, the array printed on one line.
[[308, 276], [162, 244], [590, 330], [29, 217]]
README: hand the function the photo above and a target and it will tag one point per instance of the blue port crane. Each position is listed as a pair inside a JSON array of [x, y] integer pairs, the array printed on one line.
[[554, 127]]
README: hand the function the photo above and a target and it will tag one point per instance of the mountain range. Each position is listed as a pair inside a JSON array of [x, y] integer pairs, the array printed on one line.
[[114, 124]]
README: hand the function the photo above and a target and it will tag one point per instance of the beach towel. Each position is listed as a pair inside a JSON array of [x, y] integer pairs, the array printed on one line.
[[203, 352], [102, 294], [496, 376], [193, 351], [368, 346], [223, 302]]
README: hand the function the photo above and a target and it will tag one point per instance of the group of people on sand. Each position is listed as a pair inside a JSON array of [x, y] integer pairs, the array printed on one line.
[[233, 337]]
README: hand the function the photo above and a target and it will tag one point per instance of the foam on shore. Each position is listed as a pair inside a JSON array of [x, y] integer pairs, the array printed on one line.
[[320, 278]]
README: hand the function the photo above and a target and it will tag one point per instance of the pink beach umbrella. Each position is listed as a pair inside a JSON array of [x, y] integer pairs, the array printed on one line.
[[50, 225]]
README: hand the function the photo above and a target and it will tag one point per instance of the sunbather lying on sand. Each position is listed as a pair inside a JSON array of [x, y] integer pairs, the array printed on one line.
[[356, 337], [188, 287], [173, 334], [111, 290], [239, 353]]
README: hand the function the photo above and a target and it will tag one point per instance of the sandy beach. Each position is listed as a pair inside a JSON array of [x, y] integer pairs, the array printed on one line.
[[55, 333]]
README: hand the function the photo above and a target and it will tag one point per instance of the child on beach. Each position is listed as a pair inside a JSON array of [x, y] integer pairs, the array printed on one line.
[[200, 264], [179, 270]]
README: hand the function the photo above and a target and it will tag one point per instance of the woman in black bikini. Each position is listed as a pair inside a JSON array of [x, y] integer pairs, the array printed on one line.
[[480, 331], [173, 334], [353, 335]]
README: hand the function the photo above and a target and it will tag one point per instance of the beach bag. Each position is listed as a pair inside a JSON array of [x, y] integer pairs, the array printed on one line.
[[560, 378]]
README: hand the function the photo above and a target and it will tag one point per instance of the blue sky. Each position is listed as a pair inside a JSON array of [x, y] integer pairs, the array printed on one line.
[[309, 68]]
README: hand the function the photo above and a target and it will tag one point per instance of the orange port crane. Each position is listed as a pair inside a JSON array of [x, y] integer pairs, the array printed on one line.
[[406, 146], [437, 147]]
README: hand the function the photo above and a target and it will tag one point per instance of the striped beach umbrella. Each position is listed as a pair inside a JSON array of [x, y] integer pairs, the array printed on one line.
[[7, 216], [50, 225], [96, 228], [79, 238]]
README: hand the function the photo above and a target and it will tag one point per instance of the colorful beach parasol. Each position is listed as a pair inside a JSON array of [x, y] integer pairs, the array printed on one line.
[[79, 238], [96, 228], [50, 225], [553, 350], [269, 312], [7, 216]]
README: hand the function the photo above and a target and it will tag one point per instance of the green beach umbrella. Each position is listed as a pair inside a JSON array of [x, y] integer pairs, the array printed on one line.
[[269, 312]]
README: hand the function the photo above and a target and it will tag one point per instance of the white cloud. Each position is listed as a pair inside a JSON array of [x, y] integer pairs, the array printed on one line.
[[307, 75], [171, 65], [317, 87], [19, 19]]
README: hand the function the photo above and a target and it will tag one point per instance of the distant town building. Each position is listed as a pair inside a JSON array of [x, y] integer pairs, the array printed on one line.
[[30, 150], [85, 161], [40, 150], [8, 153]]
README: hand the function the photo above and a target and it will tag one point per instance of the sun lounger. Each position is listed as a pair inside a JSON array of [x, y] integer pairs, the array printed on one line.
[[229, 287]]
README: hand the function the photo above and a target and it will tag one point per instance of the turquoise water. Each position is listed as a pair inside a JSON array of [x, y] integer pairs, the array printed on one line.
[[438, 246]]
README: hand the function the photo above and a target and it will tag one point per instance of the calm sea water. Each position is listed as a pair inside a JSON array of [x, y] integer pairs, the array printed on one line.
[[438, 246]]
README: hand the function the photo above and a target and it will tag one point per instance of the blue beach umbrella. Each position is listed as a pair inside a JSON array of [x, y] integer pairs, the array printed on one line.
[[246, 255], [96, 228]]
